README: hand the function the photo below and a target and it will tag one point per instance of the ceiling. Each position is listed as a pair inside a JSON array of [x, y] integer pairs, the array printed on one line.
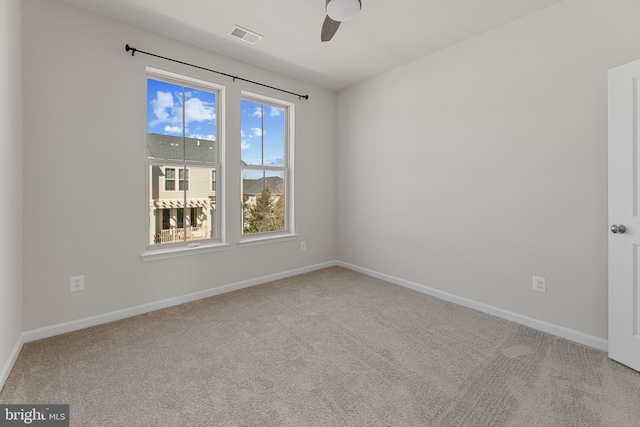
[[385, 35]]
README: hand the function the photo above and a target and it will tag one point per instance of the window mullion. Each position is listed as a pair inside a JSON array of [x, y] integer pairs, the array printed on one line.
[[184, 173], [264, 173]]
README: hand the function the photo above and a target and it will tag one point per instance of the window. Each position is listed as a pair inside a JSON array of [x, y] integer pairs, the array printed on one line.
[[266, 178], [169, 179], [183, 146], [184, 180], [166, 219]]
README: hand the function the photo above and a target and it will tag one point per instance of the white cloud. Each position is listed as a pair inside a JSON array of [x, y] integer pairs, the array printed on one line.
[[274, 161], [276, 112], [197, 111], [257, 132], [173, 129], [201, 136], [257, 112], [163, 106], [244, 145], [167, 109]]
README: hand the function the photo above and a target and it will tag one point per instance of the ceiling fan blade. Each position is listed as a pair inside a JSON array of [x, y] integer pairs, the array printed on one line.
[[329, 28]]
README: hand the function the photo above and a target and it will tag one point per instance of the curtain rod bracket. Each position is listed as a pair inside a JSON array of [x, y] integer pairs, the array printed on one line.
[[129, 48], [134, 50]]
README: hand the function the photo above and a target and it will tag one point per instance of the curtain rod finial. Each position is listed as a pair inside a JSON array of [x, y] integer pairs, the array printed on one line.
[[129, 48]]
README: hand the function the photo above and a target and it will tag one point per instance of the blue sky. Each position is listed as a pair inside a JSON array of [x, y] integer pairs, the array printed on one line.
[[262, 134], [262, 141], [164, 111]]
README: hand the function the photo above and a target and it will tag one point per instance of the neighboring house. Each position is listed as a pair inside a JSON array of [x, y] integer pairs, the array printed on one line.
[[173, 212], [255, 187]]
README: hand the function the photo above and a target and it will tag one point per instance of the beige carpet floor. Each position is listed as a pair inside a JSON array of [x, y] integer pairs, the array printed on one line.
[[328, 348]]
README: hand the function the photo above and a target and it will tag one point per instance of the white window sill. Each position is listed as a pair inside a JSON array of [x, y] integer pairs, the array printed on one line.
[[154, 255], [262, 240]]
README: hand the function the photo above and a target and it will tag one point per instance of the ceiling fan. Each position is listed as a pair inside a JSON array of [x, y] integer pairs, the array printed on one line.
[[338, 11]]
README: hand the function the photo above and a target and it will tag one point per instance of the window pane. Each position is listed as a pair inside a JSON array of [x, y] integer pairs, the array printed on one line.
[[164, 120], [167, 222], [274, 136], [169, 179], [166, 216], [193, 217], [263, 134], [165, 140], [263, 198], [251, 132], [184, 183], [180, 220]]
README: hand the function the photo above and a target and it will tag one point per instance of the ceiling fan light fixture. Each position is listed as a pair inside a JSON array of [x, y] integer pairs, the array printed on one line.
[[343, 10]]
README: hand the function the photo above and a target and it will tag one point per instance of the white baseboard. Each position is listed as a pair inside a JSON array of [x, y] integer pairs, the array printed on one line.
[[87, 322], [13, 356], [559, 331], [75, 325]]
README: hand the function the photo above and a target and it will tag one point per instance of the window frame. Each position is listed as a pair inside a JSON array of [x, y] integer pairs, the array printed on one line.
[[154, 251], [168, 180], [288, 169]]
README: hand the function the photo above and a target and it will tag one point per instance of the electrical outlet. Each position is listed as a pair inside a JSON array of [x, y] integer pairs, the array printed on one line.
[[303, 246], [76, 283], [539, 284]]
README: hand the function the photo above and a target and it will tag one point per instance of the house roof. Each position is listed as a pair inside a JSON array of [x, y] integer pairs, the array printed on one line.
[[174, 148]]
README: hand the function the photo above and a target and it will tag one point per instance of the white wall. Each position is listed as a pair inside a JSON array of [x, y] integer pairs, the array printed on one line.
[[474, 169], [85, 111], [468, 171], [11, 176]]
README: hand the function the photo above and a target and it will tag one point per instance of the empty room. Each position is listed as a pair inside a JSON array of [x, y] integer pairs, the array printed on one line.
[[320, 213]]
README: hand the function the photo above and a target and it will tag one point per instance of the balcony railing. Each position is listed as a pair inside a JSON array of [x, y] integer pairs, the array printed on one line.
[[177, 234]]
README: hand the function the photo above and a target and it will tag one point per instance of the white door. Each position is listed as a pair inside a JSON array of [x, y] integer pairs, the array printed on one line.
[[624, 214]]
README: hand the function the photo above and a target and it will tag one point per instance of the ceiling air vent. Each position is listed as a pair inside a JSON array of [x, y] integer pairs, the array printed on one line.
[[245, 35]]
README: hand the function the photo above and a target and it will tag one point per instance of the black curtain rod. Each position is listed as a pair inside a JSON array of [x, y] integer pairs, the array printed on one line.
[[134, 50]]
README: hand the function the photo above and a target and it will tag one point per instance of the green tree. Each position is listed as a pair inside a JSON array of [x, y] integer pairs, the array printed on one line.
[[246, 213], [266, 214], [277, 217]]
